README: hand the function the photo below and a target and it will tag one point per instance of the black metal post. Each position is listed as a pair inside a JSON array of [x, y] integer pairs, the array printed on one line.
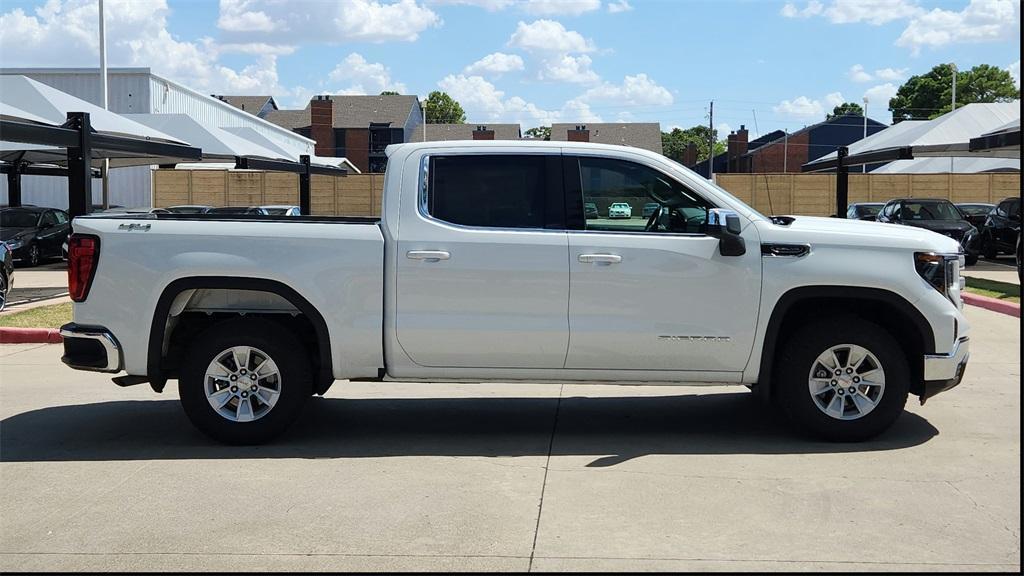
[[14, 185], [842, 182], [305, 200], [80, 166]]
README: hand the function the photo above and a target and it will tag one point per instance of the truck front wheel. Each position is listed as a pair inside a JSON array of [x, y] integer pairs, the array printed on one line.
[[843, 379], [244, 381]]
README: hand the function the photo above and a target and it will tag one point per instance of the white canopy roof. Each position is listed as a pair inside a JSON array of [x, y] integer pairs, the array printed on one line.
[[956, 165], [947, 135], [216, 143]]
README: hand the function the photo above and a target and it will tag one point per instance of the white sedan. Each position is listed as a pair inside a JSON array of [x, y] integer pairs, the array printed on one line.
[[620, 210]]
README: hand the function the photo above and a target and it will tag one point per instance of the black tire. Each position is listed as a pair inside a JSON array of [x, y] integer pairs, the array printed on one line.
[[988, 248], [271, 338], [3, 291], [970, 259], [33, 257], [800, 353]]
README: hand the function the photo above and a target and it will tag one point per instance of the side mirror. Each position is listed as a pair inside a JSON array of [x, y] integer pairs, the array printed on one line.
[[725, 225]]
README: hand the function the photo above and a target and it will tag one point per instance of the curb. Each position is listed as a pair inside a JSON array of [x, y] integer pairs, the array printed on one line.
[[30, 336], [1008, 308]]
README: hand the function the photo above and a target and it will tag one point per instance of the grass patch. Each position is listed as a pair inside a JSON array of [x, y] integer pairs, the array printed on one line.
[[53, 316], [994, 289]]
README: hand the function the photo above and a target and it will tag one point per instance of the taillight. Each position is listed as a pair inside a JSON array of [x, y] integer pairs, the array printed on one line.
[[83, 254]]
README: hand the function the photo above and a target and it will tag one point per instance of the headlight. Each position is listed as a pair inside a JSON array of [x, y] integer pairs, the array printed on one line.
[[942, 272], [13, 244]]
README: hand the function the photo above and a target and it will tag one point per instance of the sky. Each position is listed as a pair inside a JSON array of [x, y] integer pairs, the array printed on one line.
[[766, 64]]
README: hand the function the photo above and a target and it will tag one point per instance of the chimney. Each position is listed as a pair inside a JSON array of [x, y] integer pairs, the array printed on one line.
[[741, 140], [690, 154], [580, 134], [737, 146], [482, 133], [321, 124]]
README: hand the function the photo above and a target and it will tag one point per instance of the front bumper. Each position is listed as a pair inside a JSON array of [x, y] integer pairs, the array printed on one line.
[[91, 348], [944, 371]]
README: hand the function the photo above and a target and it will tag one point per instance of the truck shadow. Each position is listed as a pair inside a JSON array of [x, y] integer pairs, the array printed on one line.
[[613, 430]]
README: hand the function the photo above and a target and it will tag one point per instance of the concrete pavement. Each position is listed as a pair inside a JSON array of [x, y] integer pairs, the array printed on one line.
[[1003, 269], [507, 477], [39, 286]]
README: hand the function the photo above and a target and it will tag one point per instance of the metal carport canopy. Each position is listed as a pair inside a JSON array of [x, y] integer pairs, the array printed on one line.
[[1006, 137], [948, 135]]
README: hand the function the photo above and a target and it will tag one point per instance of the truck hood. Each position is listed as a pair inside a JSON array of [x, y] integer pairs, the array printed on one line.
[[845, 232]]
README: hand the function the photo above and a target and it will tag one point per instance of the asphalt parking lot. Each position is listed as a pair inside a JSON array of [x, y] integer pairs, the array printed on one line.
[[507, 477]]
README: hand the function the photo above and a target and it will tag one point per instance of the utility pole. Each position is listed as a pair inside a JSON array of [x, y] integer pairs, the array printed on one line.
[[711, 142], [864, 167], [105, 170], [953, 104]]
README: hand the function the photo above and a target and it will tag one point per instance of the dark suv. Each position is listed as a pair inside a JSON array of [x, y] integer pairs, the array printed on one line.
[[864, 210], [1001, 228], [935, 214], [33, 233]]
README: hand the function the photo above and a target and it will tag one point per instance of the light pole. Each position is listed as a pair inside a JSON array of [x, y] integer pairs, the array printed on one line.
[[105, 171], [864, 167]]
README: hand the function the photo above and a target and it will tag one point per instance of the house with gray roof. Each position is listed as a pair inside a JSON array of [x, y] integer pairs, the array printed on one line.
[[646, 135], [258, 106], [467, 131], [355, 127]]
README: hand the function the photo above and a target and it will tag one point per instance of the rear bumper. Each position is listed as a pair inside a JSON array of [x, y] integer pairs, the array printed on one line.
[[944, 371], [91, 348]]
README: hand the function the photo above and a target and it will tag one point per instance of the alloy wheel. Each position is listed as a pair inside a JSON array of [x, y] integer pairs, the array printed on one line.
[[846, 382], [242, 384]]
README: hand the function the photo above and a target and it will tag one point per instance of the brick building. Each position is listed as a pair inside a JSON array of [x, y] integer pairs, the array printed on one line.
[[358, 128], [469, 131], [646, 135]]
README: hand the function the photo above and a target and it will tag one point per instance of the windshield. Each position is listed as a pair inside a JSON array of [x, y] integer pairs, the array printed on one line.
[[186, 209], [18, 219], [870, 209], [277, 211], [229, 210], [930, 211], [975, 209]]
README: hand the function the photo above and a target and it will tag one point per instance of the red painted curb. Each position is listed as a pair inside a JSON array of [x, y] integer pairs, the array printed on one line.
[[1008, 308], [30, 336]]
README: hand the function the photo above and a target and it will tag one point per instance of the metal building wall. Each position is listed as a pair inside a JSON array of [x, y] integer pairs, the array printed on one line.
[[129, 187]]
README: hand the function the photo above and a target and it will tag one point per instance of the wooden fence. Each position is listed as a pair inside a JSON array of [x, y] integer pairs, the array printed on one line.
[[815, 194], [353, 195]]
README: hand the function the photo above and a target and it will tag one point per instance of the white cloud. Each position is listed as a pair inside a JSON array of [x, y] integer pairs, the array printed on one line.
[[871, 11], [495, 64], [723, 129], [834, 99], [980, 21], [548, 36], [619, 6], [137, 35], [858, 74], [328, 22], [482, 101], [813, 8], [364, 77], [489, 5], [878, 96], [1014, 70], [800, 107], [567, 68], [560, 7], [891, 74], [637, 91]]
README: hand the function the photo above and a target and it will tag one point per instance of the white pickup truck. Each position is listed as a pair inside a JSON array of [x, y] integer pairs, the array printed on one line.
[[484, 268]]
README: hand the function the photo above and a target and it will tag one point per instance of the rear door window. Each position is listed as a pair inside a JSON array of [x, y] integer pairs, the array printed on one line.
[[493, 191]]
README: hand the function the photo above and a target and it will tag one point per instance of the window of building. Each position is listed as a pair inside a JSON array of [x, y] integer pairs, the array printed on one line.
[[630, 197], [492, 191]]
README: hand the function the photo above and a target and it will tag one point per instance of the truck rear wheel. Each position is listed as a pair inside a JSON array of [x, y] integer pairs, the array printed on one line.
[[244, 381], [843, 379]]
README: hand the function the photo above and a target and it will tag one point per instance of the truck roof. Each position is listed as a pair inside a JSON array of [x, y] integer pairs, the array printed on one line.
[[524, 144]]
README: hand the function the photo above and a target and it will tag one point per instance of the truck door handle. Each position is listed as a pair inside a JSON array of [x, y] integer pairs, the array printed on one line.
[[600, 258], [429, 255]]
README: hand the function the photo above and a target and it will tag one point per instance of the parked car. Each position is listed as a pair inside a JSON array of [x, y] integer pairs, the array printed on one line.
[[1001, 229], [462, 278], [188, 209], [620, 210], [650, 208], [6, 274], [1020, 277], [938, 215], [976, 212], [282, 210], [590, 211], [864, 210], [34, 234], [225, 210]]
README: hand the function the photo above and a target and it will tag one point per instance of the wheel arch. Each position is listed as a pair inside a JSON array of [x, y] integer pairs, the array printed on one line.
[[158, 372], [888, 309]]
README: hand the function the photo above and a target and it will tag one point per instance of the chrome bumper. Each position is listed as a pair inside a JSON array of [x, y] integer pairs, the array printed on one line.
[[91, 348], [947, 366]]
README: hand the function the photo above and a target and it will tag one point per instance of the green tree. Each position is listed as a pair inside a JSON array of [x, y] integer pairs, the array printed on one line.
[[846, 108], [540, 133], [674, 143], [929, 95], [443, 109], [389, 93]]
